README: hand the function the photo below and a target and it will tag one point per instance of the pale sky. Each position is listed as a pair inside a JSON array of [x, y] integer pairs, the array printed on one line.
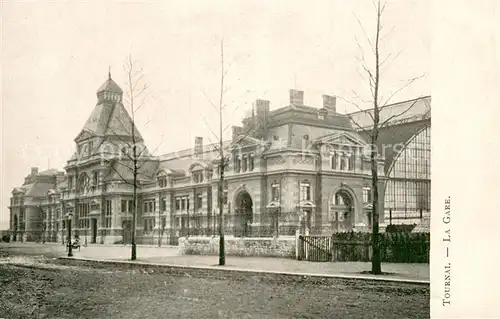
[[56, 54]]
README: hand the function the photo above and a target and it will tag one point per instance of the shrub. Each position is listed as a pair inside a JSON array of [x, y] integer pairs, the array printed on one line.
[[399, 228], [399, 247]]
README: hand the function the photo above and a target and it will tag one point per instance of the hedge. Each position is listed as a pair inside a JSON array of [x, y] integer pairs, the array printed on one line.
[[400, 247]]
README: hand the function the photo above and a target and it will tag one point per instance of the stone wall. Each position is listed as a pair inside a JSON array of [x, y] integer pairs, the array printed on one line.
[[283, 247]]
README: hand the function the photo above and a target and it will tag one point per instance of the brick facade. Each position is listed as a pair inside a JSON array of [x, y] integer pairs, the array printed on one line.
[[298, 167]]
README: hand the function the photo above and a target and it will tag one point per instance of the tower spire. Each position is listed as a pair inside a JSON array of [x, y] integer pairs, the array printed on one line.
[[109, 72]]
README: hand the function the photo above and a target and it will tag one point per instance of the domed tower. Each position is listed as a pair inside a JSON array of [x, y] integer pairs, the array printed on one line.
[[109, 91]]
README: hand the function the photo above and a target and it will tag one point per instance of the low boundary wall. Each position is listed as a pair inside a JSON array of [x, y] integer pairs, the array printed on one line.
[[283, 247]]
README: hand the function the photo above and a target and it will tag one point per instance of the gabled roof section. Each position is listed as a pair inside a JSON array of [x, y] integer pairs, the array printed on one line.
[[406, 111], [342, 138], [245, 140]]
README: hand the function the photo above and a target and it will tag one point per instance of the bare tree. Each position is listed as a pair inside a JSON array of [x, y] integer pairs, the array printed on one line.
[[128, 144], [220, 148], [373, 77]]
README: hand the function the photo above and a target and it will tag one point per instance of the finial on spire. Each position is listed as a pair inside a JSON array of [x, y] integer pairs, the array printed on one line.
[[109, 72]]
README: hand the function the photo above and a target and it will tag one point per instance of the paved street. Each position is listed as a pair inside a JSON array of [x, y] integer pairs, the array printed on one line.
[[55, 291], [169, 255]]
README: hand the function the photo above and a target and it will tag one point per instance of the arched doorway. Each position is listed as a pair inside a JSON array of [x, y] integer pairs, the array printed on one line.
[[343, 210], [243, 214]]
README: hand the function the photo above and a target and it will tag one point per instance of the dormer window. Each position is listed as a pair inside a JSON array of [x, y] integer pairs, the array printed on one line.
[[162, 182], [198, 177]]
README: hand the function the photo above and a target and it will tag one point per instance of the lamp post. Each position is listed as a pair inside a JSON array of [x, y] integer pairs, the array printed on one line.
[[70, 248]]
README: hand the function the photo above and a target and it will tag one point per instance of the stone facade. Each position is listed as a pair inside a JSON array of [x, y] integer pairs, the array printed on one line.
[[296, 167], [245, 247]]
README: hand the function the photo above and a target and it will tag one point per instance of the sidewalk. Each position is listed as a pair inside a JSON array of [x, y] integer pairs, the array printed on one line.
[[169, 256]]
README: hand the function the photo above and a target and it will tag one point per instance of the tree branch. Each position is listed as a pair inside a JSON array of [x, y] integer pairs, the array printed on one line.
[[408, 83], [399, 114]]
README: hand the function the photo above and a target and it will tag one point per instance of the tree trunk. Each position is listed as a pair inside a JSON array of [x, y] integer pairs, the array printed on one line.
[[376, 262], [134, 211], [222, 257]]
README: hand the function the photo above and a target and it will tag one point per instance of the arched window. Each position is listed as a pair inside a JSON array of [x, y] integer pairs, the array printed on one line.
[[83, 183], [408, 189]]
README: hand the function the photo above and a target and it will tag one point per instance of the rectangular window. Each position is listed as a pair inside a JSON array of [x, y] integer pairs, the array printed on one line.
[[149, 206], [130, 206], [334, 160], [250, 163], [237, 164], [350, 162], [199, 201], [163, 222], [96, 178], [275, 192], [367, 195], [177, 203], [305, 191], [108, 212], [124, 206], [244, 164], [149, 224], [163, 204], [343, 163], [183, 203]]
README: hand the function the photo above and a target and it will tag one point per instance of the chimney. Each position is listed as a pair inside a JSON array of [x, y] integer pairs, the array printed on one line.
[[296, 97], [262, 118], [198, 146], [262, 106], [330, 103], [34, 170], [236, 130]]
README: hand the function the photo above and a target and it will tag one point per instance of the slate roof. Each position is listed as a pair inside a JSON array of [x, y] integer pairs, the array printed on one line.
[[110, 119], [110, 86], [411, 110], [49, 172], [123, 170], [39, 189]]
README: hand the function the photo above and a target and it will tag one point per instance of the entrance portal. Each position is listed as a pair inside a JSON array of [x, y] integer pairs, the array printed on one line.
[[93, 239], [343, 209], [127, 231], [243, 214], [15, 228]]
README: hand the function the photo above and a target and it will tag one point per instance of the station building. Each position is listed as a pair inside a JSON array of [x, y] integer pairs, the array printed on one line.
[[294, 167]]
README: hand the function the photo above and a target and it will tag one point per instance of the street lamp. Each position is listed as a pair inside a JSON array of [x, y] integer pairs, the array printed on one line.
[[70, 250]]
